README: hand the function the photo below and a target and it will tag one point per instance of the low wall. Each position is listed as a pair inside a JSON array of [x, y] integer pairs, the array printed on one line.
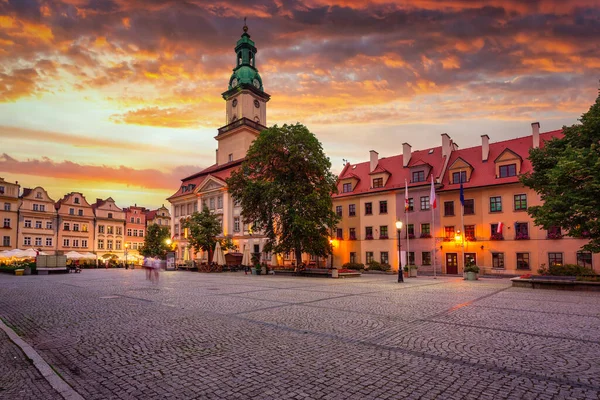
[[555, 284]]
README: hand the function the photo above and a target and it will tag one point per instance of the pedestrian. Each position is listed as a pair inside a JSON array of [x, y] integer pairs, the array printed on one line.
[[246, 268]]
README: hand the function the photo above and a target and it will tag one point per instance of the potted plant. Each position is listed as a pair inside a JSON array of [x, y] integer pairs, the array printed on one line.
[[471, 271], [411, 270]]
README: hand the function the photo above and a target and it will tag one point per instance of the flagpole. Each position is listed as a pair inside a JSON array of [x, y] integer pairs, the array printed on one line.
[[407, 235], [462, 219], [432, 205], [433, 231]]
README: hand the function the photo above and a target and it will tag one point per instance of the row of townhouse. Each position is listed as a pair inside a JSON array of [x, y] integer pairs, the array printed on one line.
[[492, 228], [32, 219]]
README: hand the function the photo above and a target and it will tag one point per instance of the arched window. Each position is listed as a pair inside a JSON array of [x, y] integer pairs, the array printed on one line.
[[252, 59], [240, 58]]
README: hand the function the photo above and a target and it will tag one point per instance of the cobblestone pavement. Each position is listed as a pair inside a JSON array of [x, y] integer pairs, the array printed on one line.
[[19, 379], [113, 335]]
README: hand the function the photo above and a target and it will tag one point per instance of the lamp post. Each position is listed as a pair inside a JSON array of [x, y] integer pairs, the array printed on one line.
[[398, 229]]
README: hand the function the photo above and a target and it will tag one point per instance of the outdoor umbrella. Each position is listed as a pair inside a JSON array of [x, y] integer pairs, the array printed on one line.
[[246, 260], [73, 255], [88, 256], [219, 257], [186, 254], [30, 253]]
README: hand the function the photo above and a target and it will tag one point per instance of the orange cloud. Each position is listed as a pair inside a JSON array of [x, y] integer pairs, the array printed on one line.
[[141, 178], [173, 117]]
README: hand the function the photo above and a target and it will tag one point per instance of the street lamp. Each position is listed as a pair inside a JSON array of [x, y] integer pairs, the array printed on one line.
[[399, 228]]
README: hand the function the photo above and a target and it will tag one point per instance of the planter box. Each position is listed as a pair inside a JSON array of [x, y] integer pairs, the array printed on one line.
[[334, 273], [19, 272], [412, 273], [471, 276]]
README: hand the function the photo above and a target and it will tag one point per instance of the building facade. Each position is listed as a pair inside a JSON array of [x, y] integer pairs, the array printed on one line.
[[161, 216], [110, 229], [75, 225], [9, 214], [493, 227], [245, 116], [135, 228], [372, 196], [37, 226]]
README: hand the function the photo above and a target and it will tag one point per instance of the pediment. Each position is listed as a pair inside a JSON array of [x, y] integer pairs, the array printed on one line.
[[507, 155], [211, 183], [459, 163]]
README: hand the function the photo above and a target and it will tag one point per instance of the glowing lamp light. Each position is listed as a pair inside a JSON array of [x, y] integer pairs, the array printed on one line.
[[398, 225]]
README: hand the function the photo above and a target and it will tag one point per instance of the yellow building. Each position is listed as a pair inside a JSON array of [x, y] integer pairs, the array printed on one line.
[[110, 229], [9, 197], [495, 230], [37, 221], [75, 224]]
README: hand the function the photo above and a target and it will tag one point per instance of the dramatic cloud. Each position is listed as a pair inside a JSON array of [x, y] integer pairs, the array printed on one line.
[[156, 69], [140, 178]]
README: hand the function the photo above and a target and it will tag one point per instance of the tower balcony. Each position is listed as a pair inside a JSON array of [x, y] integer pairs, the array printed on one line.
[[241, 122]]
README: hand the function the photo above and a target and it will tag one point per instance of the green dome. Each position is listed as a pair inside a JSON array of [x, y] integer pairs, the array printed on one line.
[[246, 74]]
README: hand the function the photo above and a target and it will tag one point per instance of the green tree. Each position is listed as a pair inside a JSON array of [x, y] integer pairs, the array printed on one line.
[[155, 242], [566, 174], [203, 228], [285, 189]]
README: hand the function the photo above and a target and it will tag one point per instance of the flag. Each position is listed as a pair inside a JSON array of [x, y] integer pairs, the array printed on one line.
[[500, 226], [405, 196], [432, 199], [462, 192]]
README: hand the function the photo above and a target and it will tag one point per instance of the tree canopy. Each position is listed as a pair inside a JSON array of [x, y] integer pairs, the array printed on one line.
[[285, 189], [566, 174], [203, 228], [155, 242]]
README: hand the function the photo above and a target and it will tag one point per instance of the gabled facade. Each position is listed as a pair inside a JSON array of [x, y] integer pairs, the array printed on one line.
[[495, 230], [37, 221], [75, 225], [9, 214], [161, 216], [135, 228], [110, 228]]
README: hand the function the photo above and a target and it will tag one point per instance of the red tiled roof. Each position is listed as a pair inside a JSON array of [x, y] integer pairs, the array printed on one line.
[[484, 173], [151, 214], [379, 169], [221, 172], [397, 172]]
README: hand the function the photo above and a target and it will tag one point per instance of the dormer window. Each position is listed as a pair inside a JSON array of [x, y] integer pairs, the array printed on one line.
[[377, 183], [346, 188], [38, 195], [418, 176], [458, 177], [110, 215], [508, 170], [76, 200]]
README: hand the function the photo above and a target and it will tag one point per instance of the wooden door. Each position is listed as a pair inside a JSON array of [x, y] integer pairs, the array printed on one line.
[[452, 263]]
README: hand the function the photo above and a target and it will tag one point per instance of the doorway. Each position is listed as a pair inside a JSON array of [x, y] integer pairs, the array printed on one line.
[[452, 263]]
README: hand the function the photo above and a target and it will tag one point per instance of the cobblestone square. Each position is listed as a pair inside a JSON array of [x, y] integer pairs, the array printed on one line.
[[111, 334]]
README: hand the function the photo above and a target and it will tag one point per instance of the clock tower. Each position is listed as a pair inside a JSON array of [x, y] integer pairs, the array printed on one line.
[[246, 104]]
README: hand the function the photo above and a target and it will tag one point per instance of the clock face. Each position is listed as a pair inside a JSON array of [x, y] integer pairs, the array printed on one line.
[[256, 83], [234, 82], [234, 103], [256, 104]]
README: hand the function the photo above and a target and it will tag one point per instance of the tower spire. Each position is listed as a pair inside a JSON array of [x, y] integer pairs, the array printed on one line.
[[245, 26]]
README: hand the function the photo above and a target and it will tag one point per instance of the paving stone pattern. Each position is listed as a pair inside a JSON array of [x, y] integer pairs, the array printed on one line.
[[113, 335], [19, 379]]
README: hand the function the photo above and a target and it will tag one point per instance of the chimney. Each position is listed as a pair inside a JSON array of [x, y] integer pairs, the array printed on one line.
[[217, 156], [535, 130], [374, 160], [485, 147], [446, 145], [406, 154]]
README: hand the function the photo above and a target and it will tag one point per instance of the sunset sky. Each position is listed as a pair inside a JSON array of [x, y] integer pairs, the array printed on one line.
[[122, 98]]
